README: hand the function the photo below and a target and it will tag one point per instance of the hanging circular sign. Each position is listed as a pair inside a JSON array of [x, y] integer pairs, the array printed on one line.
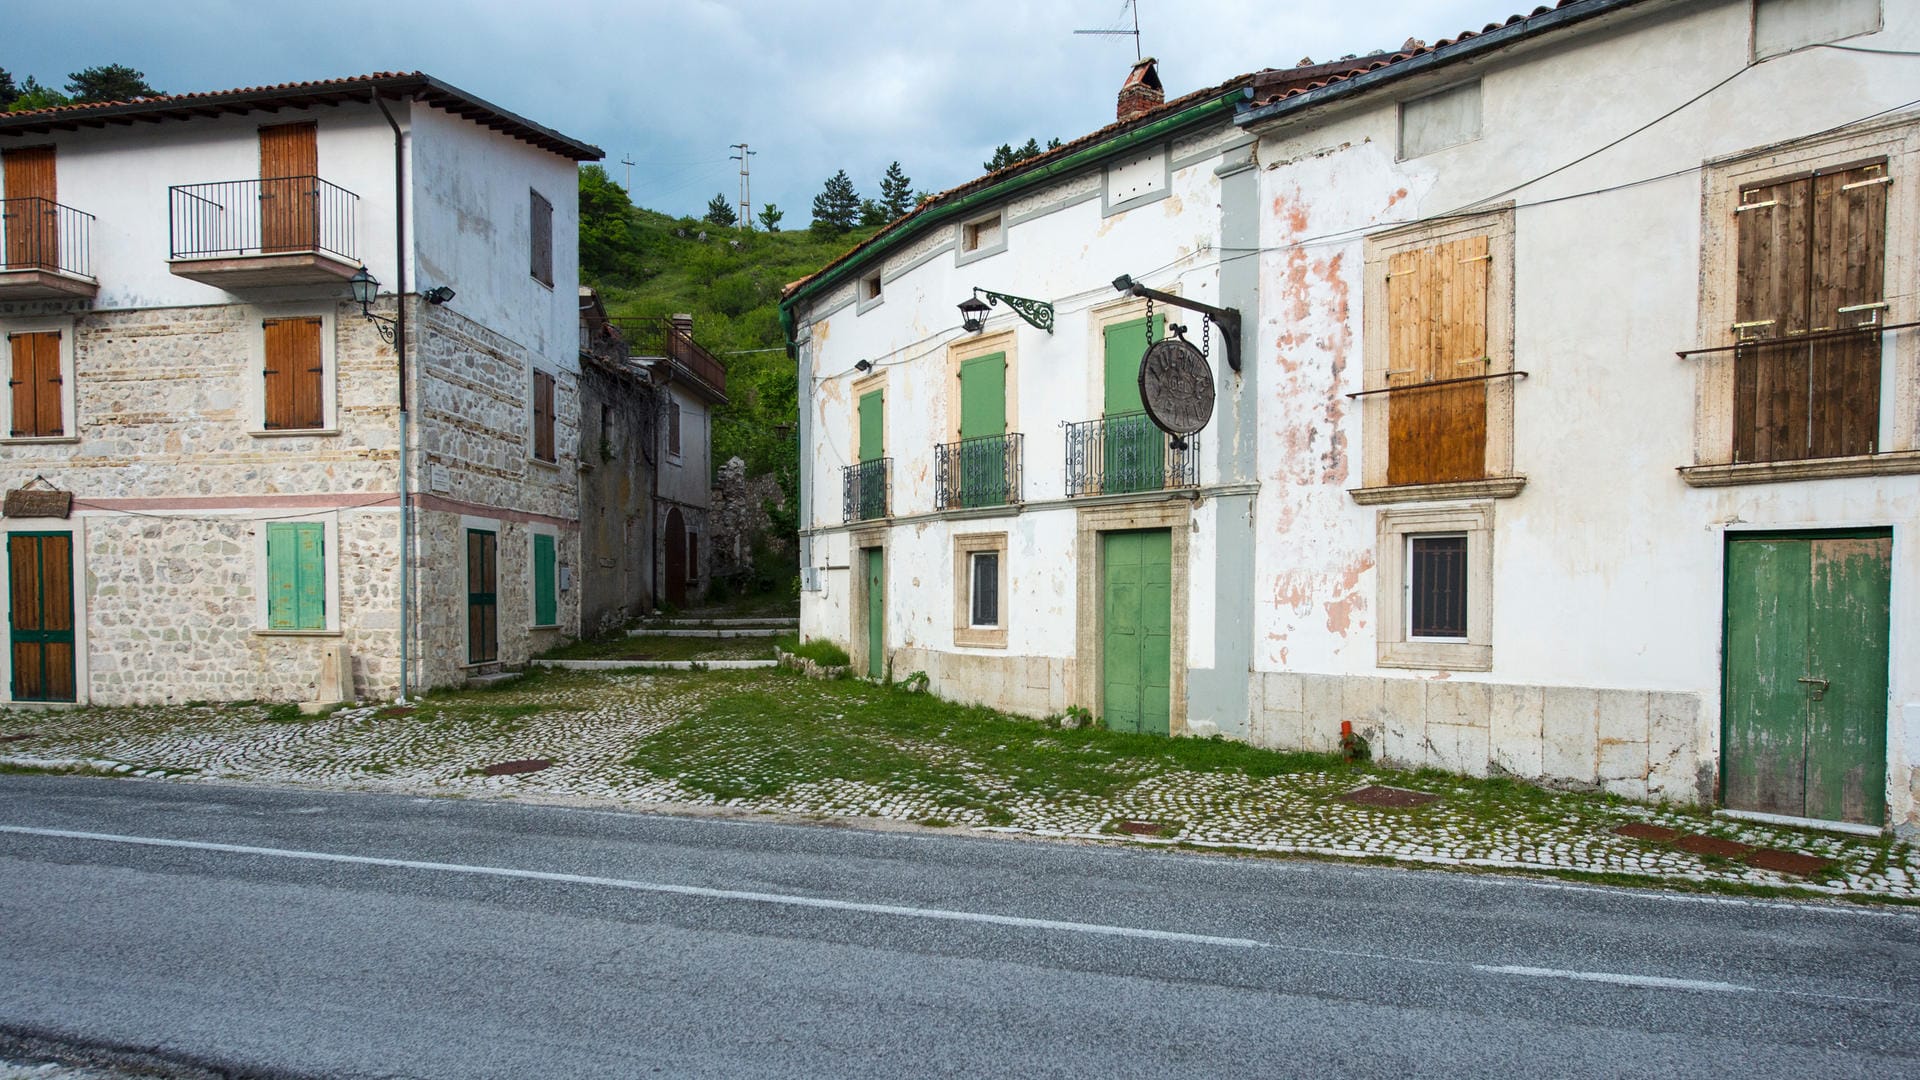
[[1176, 386]]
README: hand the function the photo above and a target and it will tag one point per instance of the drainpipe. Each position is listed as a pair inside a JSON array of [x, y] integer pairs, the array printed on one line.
[[400, 352]]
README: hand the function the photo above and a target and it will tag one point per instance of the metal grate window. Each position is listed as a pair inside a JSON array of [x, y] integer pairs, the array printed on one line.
[[986, 588], [1437, 586]]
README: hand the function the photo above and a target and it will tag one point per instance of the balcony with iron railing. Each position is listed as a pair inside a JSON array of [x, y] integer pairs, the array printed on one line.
[[287, 230], [46, 251], [1127, 453], [977, 472], [673, 339], [864, 490]]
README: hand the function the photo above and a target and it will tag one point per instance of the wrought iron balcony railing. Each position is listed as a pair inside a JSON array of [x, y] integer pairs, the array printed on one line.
[[40, 234], [279, 216], [977, 472], [1127, 452], [864, 490]]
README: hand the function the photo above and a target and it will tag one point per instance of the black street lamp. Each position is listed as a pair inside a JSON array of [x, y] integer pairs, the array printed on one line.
[[365, 288]]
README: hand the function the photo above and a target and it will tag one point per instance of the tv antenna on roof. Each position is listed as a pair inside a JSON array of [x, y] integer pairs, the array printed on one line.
[[1132, 8]]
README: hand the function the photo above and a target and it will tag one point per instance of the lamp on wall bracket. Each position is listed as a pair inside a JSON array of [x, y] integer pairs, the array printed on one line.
[[1228, 319], [365, 288], [863, 366], [973, 311]]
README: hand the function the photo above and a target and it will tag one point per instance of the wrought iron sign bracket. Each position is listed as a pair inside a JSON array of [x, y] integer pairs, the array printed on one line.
[[1037, 313], [1227, 318]]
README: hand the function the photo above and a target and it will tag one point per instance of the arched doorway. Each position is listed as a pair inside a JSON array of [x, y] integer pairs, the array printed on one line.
[[674, 588]]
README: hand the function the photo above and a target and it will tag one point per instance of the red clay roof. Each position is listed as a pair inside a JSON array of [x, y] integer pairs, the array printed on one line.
[[415, 85]]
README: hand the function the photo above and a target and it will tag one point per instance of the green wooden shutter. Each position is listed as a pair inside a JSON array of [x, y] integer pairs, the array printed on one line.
[[983, 396], [873, 428], [545, 603], [1126, 343], [1134, 451], [296, 576]]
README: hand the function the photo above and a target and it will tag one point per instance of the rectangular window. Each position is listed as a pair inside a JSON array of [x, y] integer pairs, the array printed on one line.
[[870, 288], [546, 605], [1811, 265], [1437, 121], [986, 589], [296, 575], [673, 429], [1781, 26], [541, 219], [1437, 587], [984, 233], [543, 416], [294, 375], [38, 386]]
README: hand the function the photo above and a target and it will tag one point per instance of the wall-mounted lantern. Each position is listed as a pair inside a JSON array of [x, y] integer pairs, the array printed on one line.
[[973, 313], [365, 288]]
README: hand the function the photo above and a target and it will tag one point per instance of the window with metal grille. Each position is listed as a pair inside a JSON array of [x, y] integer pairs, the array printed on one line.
[[541, 220], [986, 588], [1437, 586]]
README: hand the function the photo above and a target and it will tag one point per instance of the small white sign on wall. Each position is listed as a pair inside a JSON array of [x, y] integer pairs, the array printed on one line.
[[438, 479]]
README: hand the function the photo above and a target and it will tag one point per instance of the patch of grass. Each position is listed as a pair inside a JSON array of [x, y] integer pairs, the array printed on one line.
[[8, 768], [285, 712], [818, 650], [659, 647]]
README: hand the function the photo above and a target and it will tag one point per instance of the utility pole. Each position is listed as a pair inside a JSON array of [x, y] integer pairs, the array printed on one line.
[[746, 187], [628, 162]]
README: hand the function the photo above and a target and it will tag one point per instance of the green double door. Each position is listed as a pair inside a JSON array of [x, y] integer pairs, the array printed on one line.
[[1136, 646], [1805, 700], [1133, 449]]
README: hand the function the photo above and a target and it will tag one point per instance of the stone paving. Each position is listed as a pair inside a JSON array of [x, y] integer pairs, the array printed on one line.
[[590, 724]]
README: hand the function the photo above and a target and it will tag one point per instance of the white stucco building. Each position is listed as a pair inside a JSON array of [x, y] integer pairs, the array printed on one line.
[[218, 444], [1576, 437]]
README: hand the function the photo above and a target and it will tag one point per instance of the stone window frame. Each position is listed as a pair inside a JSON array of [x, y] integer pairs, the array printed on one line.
[[67, 327], [962, 254], [1897, 140], [463, 571], [540, 528], [858, 541], [257, 316], [1395, 646], [958, 353], [329, 522], [1174, 515], [965, 634], [869, 293], [1500, 480]]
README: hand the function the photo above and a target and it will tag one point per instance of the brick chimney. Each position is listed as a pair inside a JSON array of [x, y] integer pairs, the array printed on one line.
[[1142, 92]]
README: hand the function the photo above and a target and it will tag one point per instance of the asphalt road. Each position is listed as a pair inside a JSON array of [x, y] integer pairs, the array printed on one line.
[[275, 933]]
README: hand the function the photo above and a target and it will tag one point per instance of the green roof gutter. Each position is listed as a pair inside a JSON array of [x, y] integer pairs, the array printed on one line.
[[1052, 170]]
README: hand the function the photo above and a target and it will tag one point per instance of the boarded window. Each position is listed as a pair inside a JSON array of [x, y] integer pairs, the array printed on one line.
[[1436, 350], [36, 382], [294, 375], [296, 576], [541, 218], [1440, 120], [1785, 25], [543, 416], [1809, 289], [673, 428], [986, 589], [981, 234], [1437, 586], [546, 606]]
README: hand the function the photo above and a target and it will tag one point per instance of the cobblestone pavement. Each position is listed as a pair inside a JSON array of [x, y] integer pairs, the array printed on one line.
[[591, 725]]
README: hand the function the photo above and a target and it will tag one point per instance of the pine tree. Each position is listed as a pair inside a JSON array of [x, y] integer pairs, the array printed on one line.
[[113, 82], [896, 192], [872, 213], [837, 206], [32, 95], [770, 216], [1006, 155], [8, 91], [721, 212]]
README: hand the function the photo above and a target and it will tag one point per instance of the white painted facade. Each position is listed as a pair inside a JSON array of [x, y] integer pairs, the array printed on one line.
[[1605, 614]]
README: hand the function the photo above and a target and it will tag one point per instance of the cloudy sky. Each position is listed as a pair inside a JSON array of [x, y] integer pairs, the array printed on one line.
[[812, 86]]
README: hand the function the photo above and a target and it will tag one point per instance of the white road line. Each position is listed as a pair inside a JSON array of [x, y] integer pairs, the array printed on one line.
[[1619, 980]]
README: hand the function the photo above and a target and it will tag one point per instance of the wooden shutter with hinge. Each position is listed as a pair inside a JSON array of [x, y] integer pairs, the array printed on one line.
[[541, 222], [289, 188], [36, 383], [294, 376], [296, 576], [1849, 251], [1437, 331], [543, 416], [31, 228]]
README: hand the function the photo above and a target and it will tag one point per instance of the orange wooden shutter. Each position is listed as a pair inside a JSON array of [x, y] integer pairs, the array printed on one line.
[[289, 193], [36, 381], [32, 237], [1437, 331], [1770, 382], [294, 376], [1849, 251], [23, 378]]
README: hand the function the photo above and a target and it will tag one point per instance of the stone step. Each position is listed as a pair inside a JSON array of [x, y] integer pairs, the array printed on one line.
[[710, 632], [786, 622], [654, 665], [495, 678]]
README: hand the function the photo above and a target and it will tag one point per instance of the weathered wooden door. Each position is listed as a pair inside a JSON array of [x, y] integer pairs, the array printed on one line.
[[483, 597], [675, 558], [1133, 451], [982, 468], [876, 571], [1136, 648], [1437, 318], [41, 615], [289, 188], [1805, 701], [31, 222]]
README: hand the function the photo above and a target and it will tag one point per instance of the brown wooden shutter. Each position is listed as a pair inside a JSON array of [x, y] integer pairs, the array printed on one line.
[[1437, 311], [543, 416], [36, 383], [32, 235], [1849, 251], [294, 375], [23, 379], [1770, 382], [541, 221], [289, 189]]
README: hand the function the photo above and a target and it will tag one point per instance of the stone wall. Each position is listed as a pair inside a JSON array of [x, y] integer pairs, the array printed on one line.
[[739, 519], [616, 496]]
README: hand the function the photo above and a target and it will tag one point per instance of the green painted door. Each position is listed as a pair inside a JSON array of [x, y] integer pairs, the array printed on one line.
[[983, 429], [876, 570], [871, 495], [1136, 648], [1805, 701], [1134, 451], [40, 615]]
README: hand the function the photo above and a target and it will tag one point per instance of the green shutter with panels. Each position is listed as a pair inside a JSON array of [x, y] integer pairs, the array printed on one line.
[[296, 576], [1134, 450], [982, 468], [873, 429], [546, 606]]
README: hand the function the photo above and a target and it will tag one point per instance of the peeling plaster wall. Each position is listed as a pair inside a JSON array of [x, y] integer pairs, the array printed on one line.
[[1607, 577]]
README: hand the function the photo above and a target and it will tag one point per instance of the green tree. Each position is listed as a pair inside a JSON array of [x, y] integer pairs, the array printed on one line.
[[721, 212], [8, 91], [872, 213], [896, 192], [608, 250], [770, 216], [34, 96], [112, 82], [1006, 155], [837, 207]]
